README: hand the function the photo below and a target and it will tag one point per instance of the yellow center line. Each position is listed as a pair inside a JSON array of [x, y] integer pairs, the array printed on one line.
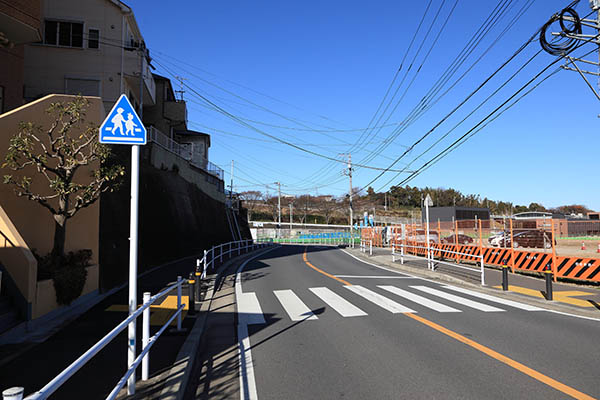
[[508, 361], [323, 272]]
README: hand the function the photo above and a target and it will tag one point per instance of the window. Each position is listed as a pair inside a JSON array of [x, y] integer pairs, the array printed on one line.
[[68, 34], [82, 86], [93, 38]]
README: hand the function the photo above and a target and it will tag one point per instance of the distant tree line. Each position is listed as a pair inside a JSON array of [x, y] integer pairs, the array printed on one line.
[[399, 200]]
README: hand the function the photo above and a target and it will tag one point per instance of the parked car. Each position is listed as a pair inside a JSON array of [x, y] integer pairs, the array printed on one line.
[[462, 239], [535, 238], [421, 236]]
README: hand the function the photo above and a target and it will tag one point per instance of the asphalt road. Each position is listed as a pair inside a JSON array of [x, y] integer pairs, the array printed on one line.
[[335, 327]]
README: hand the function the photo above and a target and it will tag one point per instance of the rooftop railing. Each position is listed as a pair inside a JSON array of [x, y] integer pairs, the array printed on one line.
[[185, 151]]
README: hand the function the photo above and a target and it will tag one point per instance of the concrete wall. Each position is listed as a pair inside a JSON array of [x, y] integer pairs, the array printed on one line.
[[33, 222], [26, 14], [177, 219], [30, 226], [165, 160]]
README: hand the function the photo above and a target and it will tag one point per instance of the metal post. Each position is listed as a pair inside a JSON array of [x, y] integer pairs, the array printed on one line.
[[196, 288], [402, 254], [553, 249], [427, 203], [179, 282], [505, 276], [371, 247], [512, 248], [482, 272], [393, 253], [205, 267], [221, 253], [549, 295], [14, 393], [191, 295], [133, 256], [145, 336], [239, 246]]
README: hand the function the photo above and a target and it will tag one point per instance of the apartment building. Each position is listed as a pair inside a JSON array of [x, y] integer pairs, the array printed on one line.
[[90, 47], [20, 23]]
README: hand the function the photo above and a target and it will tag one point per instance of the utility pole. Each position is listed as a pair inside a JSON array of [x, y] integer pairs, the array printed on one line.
[[385, 202], [572, 32], [349, 173], [231, 186], [278, 208]]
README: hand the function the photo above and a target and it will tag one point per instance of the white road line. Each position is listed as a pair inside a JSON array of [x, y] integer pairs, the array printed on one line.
[[246, 368], [457, 299], [374, 277], [495, 299], [338, 303], [249, 309], [296, 309], [246, 372], [425, 302], [380, 300]]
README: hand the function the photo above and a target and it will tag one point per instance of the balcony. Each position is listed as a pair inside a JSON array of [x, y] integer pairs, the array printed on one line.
[[131, 71], [185, 151]]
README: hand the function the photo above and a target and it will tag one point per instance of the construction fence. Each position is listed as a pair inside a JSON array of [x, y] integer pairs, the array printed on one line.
[[523, 245]]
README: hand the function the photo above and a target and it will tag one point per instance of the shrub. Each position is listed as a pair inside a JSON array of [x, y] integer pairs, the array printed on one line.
[[69, 273]]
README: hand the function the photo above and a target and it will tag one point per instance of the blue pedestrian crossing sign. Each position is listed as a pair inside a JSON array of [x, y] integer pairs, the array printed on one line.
[[122, 125]]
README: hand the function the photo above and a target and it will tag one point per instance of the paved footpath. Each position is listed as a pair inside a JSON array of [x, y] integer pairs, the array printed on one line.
[[41, 362]]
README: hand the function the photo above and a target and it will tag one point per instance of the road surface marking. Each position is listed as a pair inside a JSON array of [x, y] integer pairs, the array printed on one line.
[[338, 303], [434, 305], [246, 367], [321, 271], [381, 301], [564, 296], [374, 277], [296, 309], [495, 299], [457, 299], [508, 361], [249, 309]]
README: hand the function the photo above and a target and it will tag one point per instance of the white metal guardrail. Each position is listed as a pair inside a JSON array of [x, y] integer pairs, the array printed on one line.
[[431, 257], [16, 393]]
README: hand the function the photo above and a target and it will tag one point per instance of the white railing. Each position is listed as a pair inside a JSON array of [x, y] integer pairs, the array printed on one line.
[[147, 341], [185, 151], [431, 258], [143, 357]]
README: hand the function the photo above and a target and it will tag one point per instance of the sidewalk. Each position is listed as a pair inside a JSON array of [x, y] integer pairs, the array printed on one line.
[[38, 363], [579, 299]]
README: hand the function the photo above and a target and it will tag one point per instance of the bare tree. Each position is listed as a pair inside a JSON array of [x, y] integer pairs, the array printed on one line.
[[327, 207], [251, 198], [56, 153]]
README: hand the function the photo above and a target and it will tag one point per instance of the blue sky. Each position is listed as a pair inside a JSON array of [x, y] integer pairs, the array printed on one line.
[[313, 74]]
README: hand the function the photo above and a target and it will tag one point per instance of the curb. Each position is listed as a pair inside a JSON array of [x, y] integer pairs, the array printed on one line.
[[184, 362]]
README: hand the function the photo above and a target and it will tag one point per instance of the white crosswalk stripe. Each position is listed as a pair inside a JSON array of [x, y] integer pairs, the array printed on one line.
[[337, 302], [249, 308], [296, 309], [379, 300], [457, 299], [425, 302], [495, 299]]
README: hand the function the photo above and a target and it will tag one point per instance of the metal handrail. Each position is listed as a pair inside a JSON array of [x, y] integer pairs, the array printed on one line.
[[76, 365], [431, 257]]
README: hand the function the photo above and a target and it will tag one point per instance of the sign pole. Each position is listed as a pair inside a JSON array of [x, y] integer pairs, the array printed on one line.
[[133, 255]]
